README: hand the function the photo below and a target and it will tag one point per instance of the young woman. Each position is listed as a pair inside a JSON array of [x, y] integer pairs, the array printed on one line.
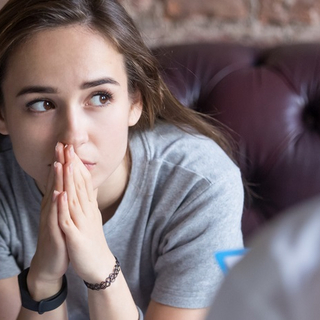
[[112, 194]]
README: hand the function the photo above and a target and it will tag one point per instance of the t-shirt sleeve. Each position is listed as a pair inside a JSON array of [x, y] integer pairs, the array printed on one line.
[[8, 265], [187, 275]]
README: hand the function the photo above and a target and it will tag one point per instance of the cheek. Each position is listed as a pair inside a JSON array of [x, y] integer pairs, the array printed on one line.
[[33, 157], [112, 131], [33, 151], [31, 144], [112, 143], [28, 133], [32, 160]]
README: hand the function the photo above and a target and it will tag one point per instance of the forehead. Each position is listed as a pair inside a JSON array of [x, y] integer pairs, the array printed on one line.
[[73, 50]]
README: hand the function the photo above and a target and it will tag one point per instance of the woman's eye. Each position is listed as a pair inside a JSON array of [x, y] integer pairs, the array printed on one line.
[[100, 99], [40, 106]]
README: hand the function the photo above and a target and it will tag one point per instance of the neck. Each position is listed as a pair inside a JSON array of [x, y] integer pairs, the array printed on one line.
[[111, 193]]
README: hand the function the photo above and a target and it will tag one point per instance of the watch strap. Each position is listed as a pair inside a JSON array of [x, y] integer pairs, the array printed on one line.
[[44, 305]]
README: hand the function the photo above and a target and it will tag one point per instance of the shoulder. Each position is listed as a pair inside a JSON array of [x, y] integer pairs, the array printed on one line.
[[192, 152], [10, 179], [8, 165]]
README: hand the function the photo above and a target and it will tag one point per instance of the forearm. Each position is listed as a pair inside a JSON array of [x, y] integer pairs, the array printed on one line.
[[113, 303]]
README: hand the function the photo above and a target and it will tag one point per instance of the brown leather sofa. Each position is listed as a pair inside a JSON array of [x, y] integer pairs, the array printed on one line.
[[270, 100]]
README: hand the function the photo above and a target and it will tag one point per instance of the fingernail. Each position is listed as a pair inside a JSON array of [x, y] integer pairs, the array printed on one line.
[[55, 166], [56, 147], [54, 195]]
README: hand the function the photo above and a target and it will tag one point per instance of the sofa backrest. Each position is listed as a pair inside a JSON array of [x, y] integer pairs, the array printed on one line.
[[269, 98]]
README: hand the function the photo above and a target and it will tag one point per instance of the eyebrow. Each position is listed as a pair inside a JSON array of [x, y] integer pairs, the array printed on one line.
[[99, 82], [36, 89], [85, 85]]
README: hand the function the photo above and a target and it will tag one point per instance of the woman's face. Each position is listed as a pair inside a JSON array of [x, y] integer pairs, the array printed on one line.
[[69, 85]]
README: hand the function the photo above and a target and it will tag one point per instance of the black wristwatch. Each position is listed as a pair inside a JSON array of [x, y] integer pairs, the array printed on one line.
[[45, 304]]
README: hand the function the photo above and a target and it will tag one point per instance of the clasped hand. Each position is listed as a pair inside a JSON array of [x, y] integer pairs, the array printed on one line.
[[70, 224]]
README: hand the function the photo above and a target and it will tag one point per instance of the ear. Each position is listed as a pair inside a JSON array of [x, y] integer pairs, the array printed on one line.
[[3, 126], [135, 109]]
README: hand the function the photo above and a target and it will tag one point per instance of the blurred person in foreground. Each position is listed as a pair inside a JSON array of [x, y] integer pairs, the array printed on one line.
[[279, 279]]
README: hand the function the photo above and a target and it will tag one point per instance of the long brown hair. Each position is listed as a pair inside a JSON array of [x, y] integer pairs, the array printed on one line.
[[20, 19]]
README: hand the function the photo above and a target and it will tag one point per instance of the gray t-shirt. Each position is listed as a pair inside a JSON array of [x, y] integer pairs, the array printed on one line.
[[183, 202]]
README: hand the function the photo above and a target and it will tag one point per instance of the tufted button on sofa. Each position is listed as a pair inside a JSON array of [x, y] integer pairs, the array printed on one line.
[[269, 98]]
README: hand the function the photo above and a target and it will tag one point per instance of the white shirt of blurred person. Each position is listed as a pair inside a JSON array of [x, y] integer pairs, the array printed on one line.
[[280, 276]]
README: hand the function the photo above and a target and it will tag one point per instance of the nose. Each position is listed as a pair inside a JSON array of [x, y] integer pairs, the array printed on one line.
[[72, 126]]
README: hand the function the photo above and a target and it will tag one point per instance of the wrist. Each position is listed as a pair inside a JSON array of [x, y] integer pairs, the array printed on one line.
[[107, 281], [42, 288], [44, 304]]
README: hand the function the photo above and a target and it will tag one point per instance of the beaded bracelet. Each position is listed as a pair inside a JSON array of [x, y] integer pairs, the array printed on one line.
[[107, 283]]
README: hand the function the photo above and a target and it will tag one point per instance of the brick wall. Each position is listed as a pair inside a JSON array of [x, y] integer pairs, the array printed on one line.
[[247, 21]]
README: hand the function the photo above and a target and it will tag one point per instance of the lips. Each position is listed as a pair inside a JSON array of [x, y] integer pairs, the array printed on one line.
[[88, 165]]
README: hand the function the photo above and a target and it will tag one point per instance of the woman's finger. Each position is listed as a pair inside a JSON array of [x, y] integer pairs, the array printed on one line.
[[81, 191], [58, 176], [65, 221], [49, 187], [70, 155], [55, 181], [92, 195], [59, 152], [70, 188]]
